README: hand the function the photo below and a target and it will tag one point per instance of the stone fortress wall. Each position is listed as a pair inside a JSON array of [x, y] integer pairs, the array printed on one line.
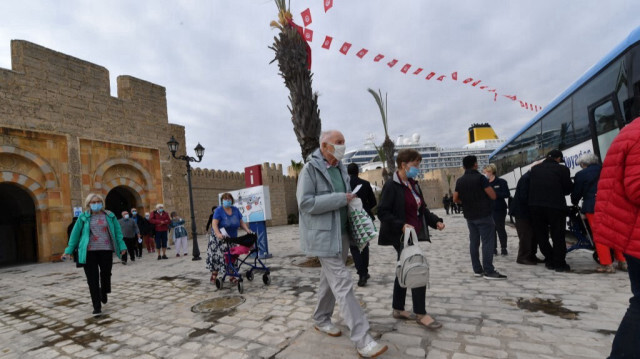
[[63, 136]]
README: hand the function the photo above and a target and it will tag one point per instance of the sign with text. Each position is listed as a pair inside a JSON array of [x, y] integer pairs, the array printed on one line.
[[254, 203]]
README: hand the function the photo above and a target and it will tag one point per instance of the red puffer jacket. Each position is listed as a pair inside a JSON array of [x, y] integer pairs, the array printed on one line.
[[617, 213]]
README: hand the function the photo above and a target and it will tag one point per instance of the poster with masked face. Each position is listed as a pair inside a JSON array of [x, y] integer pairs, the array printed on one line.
[[254, 203]]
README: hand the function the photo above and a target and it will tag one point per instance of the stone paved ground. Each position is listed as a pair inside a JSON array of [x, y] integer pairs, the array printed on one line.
[[45, 309]]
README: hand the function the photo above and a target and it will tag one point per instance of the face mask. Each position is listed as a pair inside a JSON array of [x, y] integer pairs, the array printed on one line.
[[134, 213], [126, 216], [226, 203], [412, 172], [160, 210], [338, 151], [96, 206], [147, 216]]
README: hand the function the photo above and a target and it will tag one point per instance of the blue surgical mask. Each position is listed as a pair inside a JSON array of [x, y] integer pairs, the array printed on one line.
[[126, 216], [226, 203], [412, 172], [134, 213], [96, 206], [160, 210]]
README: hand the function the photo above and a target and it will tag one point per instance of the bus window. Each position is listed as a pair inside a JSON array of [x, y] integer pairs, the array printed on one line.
[[605, 120]]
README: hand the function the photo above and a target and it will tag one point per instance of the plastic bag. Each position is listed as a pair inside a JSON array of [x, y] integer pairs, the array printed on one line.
[[361, 225]]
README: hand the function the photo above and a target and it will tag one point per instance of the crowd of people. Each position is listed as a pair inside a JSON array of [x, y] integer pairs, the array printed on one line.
[[609, 194]]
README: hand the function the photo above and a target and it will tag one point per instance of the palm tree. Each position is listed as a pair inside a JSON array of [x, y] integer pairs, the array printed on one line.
[[297, 167], [388, 145], [382, 159], [291, 54]]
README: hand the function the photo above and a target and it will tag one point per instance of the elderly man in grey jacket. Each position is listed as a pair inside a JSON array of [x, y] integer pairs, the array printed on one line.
[[323, 193]]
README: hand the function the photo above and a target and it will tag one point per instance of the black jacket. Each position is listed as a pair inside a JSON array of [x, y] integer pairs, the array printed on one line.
[[586, 186], [391, 214], [519, 206], [365, 193], [550, 183], [144, 226], [501, 188]]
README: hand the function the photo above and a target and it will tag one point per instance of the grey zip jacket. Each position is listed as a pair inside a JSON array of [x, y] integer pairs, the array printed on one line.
[[319, 205]]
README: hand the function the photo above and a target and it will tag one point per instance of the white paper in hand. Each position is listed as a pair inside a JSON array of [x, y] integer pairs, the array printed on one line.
[[224, 232], [355, 190]]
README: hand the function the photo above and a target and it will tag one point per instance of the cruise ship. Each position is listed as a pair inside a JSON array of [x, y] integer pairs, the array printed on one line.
[[482, 141]]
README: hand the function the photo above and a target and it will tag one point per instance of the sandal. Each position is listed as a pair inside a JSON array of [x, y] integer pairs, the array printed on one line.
[[214, 275], [606, 269], [434, 324], [404, 315]]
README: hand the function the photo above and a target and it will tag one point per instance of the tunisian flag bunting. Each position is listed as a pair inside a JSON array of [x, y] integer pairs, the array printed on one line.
[[392, 63], [378, 57], [308, 34], [455, 76], [328, 4], [419, 70], [405, 68], [327, 42], [345, 48], [306, 17], [362, 52], [512, 98], [430, 75]]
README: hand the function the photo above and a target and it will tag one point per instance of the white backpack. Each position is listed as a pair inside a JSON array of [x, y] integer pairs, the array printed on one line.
[[412, 269]]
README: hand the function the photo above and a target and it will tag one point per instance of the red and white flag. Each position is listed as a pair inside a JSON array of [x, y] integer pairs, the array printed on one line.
[[476, 83], [441, 77], [392, 63], [308, 34], [512, 98], [327, 42], [430, 75], [455, 76], [405, 68], [483, 87], [378, 57], [362, 52], [495, 97], [467, 80], [345, 48], [521, 103], [306, 17], [328, 4], [419, 70]]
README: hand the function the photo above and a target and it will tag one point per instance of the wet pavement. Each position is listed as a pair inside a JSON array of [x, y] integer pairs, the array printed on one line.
[[168, 308]]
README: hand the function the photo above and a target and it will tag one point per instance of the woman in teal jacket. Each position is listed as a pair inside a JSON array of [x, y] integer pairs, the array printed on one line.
[[96, 235]]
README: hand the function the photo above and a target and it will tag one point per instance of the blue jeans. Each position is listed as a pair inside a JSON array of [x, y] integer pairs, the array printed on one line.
[[626, 343], [482, 230]]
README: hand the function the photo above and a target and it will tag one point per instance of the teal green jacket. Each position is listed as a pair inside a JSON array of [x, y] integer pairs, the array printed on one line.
[[81, 233]]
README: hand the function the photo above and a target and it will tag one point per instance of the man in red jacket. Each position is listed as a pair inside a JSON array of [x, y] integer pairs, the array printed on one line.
[[617, 225], [161, 220]]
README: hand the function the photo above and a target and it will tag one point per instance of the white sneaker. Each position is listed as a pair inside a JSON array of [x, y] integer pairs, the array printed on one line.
[[329, 329], [372, 350]]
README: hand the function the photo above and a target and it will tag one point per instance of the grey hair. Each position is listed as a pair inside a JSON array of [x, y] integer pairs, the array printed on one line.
[[90, 197], [491, 168], [588, 159], [325, 135], [159, 205]]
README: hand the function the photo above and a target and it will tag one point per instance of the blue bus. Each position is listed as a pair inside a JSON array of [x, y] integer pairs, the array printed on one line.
[[585, 118]]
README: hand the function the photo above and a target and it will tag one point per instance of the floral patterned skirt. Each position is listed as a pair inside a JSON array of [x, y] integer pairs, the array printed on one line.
[[215, 258]]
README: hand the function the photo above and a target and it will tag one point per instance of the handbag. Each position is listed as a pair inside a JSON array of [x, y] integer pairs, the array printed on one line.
[[361, 226], [412, 269]]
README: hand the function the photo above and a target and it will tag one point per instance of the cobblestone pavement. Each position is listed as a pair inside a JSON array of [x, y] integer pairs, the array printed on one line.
[[45, 309]]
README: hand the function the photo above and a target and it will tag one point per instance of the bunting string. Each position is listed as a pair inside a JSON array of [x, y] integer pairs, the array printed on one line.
[[407, 68]]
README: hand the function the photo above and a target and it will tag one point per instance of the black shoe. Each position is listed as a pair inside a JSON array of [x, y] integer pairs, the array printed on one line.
[[563, 268], [495, 276], [159, 257], [104, 298], [526, 262], [504, 252], [368, 276], [97, 312], [550, 266], [362, 281], [124, 262], [495, 252], [164, 257], [536, 259], [168, 247]]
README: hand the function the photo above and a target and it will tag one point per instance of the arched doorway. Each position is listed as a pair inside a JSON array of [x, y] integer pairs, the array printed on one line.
[[120, 199], [18, 235]]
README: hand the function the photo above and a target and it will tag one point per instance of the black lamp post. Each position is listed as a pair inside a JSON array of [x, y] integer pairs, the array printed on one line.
[[173, 147]]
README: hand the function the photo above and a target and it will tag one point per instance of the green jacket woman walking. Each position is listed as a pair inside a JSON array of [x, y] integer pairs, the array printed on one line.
[[96, 235]]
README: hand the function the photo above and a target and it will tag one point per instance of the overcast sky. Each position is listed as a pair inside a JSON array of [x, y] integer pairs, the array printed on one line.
[[213, 59]]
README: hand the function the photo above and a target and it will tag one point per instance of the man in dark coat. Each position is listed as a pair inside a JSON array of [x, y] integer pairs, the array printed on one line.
[[446, 202], [519, 209], [474, 191], [368, 198], [550, 183]]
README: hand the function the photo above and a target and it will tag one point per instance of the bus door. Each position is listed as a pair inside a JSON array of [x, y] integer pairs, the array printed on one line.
[[605, 122]]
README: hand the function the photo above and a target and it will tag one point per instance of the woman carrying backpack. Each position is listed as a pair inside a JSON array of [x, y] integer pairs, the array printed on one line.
[[402, 206]]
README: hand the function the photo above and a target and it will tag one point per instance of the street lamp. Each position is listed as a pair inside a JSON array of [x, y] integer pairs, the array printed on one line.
[[173, 148]]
